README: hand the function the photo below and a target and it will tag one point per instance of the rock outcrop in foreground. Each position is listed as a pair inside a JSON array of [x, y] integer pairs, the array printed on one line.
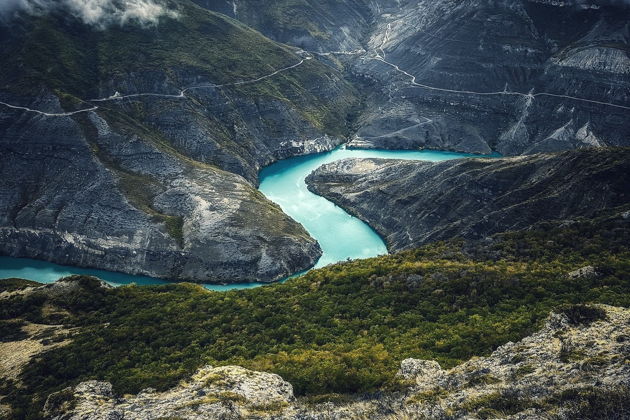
[[412, 202], [576, 365]]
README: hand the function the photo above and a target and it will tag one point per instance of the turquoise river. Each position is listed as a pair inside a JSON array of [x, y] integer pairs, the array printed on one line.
[[340, 235]]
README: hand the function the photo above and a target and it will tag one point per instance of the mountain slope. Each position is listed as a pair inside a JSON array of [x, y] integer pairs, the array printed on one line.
[[157, 175], [546, 375], [343, 329], [459, 75], [411, 203], [320, 26]]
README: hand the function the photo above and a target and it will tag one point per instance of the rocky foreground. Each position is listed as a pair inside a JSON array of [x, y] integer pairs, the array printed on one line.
[[412, 202], [576, 366]]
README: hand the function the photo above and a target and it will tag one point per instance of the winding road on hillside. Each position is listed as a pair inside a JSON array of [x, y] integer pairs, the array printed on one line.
[[182, 94], [381, 57], [376, 56]]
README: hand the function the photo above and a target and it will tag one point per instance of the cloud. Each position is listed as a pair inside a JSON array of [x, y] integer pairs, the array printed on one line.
[[99, 13]]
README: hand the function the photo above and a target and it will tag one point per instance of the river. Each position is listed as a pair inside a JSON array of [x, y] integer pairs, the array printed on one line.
[[340, 235]]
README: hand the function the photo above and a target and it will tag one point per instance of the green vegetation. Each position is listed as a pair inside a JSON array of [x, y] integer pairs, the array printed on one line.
[[497, 405], [291, 16], [602, 402], [10, 285], [76, 60], [12, 330], [582, 314], [71, 56], [340, 329]]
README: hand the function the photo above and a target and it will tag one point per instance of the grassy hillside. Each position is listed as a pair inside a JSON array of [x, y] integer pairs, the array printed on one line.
[[78, 61], [340, 329], [311, 22]]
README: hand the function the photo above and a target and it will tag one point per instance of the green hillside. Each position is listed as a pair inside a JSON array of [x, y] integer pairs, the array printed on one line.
[[81, 62], [340, 329]]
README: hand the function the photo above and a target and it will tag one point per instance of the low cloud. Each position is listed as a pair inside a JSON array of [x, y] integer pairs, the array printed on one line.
[[99, 13]]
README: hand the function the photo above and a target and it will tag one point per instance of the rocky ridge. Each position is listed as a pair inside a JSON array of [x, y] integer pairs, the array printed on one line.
[[412, 202], [506, 76], [577, 363], [469, 76], [158, 177]]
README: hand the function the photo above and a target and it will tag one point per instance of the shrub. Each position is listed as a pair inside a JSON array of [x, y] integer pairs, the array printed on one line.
[[582, 314]]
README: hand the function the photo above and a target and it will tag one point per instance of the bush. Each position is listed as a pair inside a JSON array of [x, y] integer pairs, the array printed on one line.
[[582, 314], [610, 403], [340, 329]]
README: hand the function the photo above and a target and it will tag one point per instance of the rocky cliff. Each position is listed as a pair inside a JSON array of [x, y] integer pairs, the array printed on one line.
[[514, 76], [508, 76], [137, 149], [166, 125], [575, 367], [411, 202]]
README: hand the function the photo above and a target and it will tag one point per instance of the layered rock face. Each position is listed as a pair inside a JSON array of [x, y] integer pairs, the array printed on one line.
[[93, 197], [411, 202], [508, 76], [578, 359], [518, 77], [159, 176]]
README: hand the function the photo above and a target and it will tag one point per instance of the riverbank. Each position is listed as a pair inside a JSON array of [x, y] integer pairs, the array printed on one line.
[[340, 235]]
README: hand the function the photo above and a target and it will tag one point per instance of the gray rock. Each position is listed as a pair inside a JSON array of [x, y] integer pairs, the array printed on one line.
[[531, 375], [160, 181], [462, 48], [459, 49], [227, 392], [414, 368], [132, 207], [587, 272], [412, 202], [94, 389]]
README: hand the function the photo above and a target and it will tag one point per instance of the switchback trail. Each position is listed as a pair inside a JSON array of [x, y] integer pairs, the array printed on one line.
[[48, 114], [182, 94]]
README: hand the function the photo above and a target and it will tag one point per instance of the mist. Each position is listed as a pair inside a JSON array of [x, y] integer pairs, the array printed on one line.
[[99, 13]]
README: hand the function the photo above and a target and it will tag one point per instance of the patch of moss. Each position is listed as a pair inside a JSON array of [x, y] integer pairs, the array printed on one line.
[[496, 405], [175, 228], [525, 370], [430, 396], [568, 353], [270, 408], [484, 379]]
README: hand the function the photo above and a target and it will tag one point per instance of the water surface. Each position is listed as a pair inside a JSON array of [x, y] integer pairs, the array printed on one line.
[[340, 235]]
